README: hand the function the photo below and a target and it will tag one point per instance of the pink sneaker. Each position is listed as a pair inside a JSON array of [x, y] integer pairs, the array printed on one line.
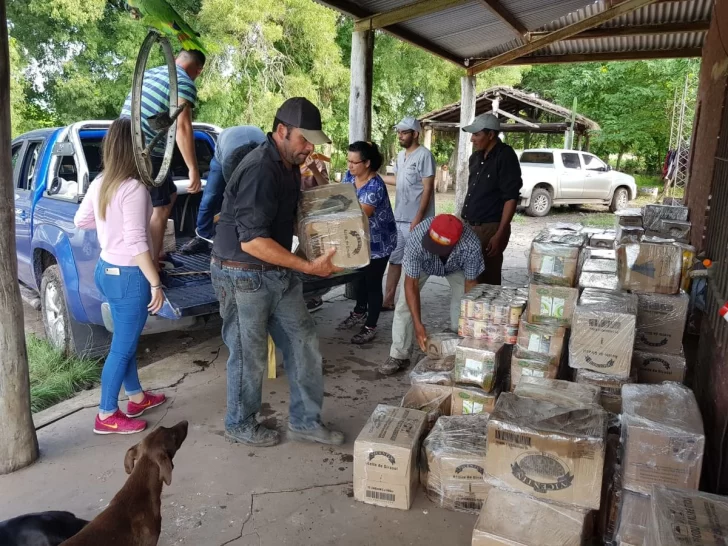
[[150, 401], [118, 423]]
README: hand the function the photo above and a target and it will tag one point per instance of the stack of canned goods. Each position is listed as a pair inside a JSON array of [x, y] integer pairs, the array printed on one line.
[[492, 313]]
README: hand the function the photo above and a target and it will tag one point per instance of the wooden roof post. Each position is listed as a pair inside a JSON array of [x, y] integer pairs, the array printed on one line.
[[18, 442], [360, 95], [465, 147], [427, 143]]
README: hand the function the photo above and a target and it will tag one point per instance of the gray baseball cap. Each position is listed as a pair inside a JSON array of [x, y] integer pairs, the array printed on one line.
[[483, 122], [409, 124]]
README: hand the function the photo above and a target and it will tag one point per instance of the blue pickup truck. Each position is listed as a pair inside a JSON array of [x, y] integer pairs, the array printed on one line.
[[52, 169]]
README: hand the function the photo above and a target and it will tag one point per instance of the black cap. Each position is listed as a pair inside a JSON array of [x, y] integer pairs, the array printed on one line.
[[302, 113]]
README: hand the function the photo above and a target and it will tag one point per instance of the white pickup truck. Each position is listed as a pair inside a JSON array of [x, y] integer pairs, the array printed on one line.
[[570, 177]]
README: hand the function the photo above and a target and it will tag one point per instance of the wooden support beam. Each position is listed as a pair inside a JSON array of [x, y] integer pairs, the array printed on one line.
[[561, 34], [640, 30], [404, 13], [506, 16], [610, 56], [360, 89], [465, 147], [521, 121]]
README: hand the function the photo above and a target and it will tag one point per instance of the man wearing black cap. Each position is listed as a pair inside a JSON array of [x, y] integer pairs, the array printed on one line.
[[494, 186], [252, 272], [439, 246]]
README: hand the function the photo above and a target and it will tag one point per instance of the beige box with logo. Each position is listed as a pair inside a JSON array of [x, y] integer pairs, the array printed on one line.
[[434, 400], [610, 387], [558, 391], [510, 519], [687, 518], [385, 457], [467, 400], [347, 232], [602, 334], [654, 267], [661, 322], [453, 463], [659, 367], [662, 433], [551, 304], [633, 518], [548, 451]]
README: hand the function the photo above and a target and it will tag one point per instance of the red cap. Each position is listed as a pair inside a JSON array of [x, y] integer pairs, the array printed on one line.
[[723, 311], [444, 233]]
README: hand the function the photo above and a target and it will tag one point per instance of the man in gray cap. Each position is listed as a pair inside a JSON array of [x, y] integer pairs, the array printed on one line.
[[494, 186], [414, 177]]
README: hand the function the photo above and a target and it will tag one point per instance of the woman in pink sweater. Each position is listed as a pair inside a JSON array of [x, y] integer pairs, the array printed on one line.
[[119, 207]]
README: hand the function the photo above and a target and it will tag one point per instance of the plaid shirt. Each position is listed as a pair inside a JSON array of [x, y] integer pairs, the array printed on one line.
[[466, 256]]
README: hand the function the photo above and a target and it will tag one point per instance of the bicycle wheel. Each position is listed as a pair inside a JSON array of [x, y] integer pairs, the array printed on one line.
[[142, 153]]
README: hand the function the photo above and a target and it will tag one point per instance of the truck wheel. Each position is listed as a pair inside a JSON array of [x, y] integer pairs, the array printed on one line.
[[540, 203], [56, 321], [620, 200]]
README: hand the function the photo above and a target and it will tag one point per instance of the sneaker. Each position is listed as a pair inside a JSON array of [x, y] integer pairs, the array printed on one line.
[[364, 336], [196, 245], [314, 304], [393, 365], [256, 435], [320, 434], [354, 319], [118, 423], [150, 401]]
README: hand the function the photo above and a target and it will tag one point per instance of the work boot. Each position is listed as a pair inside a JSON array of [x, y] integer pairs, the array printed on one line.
[[320, 434], [393, 365], [365, 335], [255, 435], [354, 319]]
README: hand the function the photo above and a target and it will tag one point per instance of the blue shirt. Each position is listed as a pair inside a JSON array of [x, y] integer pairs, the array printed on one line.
[[467, 255], [155, 99], [382, 227]]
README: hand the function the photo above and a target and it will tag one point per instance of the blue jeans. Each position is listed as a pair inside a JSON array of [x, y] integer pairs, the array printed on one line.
[[211, 200], [254, 304], [128, 293]]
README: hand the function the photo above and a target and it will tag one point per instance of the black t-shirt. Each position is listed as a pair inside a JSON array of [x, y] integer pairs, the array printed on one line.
[[261, 199], [494, 179]]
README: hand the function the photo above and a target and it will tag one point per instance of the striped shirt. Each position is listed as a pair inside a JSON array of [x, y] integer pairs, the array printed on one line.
[[467, 255], [155, 99]]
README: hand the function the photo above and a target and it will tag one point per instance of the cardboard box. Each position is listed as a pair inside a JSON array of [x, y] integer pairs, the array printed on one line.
[[472, 400], [629, 235], [599, 265], [551, 304], [653, 215], [546, 339], [454, 463], [672, 229], [629, 217], [600, 254], [602, 240], [385, 457], [433, 371], [564, 393], [328, 199], [548, 451], [602, 281], [553, 262], [603, 332], [606, 520], [510, 519], [659, 367], [477, 363], [610, 387], [633, 518], [687, 518], [347, 232], [531, 364], [442, 345], [661, 322], [650, 267], [662, 432], [432, 399]]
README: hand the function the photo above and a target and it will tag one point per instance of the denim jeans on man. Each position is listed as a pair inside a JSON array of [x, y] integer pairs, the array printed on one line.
[[254, 304], [128, 293], [211, 201]]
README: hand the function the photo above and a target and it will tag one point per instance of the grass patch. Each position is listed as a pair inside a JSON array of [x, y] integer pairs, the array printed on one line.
[[598, 219], [55, 377], [648, 181], [519, 218], [448, 207]]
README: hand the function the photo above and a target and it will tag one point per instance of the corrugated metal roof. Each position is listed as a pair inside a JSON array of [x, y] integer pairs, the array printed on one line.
[[472, 31]]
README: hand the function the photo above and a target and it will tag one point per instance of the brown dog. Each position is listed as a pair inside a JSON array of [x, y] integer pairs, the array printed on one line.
[[134, 515]]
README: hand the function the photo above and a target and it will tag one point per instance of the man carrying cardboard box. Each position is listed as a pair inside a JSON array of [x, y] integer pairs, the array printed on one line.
[[439, 246], [252, 272]]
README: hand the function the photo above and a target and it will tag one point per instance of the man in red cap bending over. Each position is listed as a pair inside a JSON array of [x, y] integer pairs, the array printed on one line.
[[439, 246]]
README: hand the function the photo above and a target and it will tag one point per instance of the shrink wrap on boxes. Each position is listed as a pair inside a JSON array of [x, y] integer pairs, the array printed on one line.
[[546, 450], [385, 457], [526, 363], [601, 281], [434, 400], [603, 332], [602, 240], [610, 387], [472, 400], [629, 235], [680, 518], [661, 322], [654, 215], [659, 367], [559, 392], [551, 304], [554, 257], [633, 518], [433, 371], [477, 363], [662, 432], [652, 267], [546, 339], [453, 463], [442, 345], [629, 217]]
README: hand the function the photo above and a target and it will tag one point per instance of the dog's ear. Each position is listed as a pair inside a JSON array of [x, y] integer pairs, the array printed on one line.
[[165, 465], [131, 456]]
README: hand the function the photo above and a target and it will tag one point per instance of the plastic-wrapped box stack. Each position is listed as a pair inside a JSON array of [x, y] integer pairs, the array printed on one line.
[[330, 217], [492, 313]]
